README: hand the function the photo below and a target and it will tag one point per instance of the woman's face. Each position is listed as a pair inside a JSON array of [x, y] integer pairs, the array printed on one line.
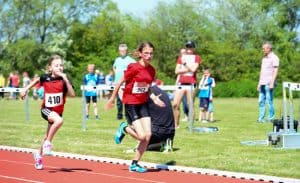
[[147, 54]]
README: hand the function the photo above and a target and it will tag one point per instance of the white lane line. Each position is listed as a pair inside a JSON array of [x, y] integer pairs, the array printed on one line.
[[19, 179], [82, 171], [174, 168]]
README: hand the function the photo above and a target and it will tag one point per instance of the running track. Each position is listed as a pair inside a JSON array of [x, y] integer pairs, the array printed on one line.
[[17, 166]]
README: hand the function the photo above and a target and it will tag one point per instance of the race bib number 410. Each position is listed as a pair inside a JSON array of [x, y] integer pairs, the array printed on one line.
[[140, 87], [53, 99]]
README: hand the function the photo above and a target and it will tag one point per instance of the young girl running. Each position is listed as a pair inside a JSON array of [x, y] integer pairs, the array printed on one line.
[[56, 85], [138, 78]]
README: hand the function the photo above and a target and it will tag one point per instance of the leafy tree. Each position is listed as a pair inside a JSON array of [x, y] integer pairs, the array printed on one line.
[[228, 34], [37, 24]]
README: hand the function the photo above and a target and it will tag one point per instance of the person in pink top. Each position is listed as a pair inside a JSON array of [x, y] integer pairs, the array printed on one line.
[[15, 82], [267, 80], [137, 78]]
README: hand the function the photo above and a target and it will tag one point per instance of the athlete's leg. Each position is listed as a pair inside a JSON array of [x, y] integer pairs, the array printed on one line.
[[56, 121], [143, 130], [176, 105]]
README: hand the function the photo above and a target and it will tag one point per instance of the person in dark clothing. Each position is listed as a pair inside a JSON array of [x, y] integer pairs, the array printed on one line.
[[162, 118], [162, 123]]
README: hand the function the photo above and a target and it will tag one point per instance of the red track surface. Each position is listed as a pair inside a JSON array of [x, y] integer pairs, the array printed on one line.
[[19, 167]]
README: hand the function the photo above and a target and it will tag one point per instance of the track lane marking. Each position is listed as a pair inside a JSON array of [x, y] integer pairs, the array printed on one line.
[[84, 172], [20, 179]]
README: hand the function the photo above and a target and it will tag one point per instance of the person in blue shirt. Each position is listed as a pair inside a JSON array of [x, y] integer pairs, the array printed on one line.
[[101, 77], [205, 95], [119, 66], [109, 79], [91, 79]]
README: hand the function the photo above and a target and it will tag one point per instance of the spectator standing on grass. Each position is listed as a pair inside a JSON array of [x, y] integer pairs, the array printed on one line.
[[15, 83], [109, 80], [205, 96], [101, 78], [137, 78], [184, 99], [56, 85], [186, 67], [211, 106], [267, 82], [2, 85], [119, 66], [26, 80], [9, 84], [91, 79]]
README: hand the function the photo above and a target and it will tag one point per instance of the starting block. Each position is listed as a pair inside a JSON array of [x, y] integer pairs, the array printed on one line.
[[284, 140], [286, 137]]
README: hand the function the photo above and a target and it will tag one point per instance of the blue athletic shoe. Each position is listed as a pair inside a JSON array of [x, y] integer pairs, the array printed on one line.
[[120, 134], [137, 168]]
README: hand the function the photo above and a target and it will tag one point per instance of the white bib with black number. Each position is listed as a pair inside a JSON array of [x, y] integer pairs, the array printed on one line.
[[53, 99], [140, 87], [188, 59]]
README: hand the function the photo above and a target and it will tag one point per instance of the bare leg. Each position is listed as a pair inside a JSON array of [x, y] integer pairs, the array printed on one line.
[[176, 106], [143, 130], [55, 122], [211, 116], [190, 99], [87, 109], [95, 109]]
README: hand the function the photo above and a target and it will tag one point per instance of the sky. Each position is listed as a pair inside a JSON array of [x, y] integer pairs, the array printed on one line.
[[137, 7]]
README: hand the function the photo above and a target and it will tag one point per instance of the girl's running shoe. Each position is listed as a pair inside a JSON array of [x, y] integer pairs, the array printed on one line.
[[137, 168], [38, 161], [47, 148], [120, 134]]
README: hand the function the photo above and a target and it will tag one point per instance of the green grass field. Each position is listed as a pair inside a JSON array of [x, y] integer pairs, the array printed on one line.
[[236, 120]]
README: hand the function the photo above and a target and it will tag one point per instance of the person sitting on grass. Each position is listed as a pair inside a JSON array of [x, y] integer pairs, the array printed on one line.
[[162, 123]]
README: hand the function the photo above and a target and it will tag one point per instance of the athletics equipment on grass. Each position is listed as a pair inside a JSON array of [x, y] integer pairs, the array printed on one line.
[[209, 129], [284, 133]]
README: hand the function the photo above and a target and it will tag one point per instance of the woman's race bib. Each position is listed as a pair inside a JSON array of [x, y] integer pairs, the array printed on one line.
[[140, 87], [188, 59], [53, 99]]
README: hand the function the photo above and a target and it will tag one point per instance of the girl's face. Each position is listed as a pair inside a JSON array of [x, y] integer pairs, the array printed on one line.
[[146, 54], [56, 67]]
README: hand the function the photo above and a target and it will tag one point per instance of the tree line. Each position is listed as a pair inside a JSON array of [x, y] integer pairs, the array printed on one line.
[[228, 33]]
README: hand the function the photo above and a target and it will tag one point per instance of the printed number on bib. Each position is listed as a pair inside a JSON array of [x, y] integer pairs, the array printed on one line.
[[53, 99], [140, 87], [188, 59]]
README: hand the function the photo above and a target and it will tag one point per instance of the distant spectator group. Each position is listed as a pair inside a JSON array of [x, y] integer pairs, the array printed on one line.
[[13, 81]]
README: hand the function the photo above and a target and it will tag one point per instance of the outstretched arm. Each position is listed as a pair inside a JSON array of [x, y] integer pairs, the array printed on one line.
[[113, 96], [25, 90]]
